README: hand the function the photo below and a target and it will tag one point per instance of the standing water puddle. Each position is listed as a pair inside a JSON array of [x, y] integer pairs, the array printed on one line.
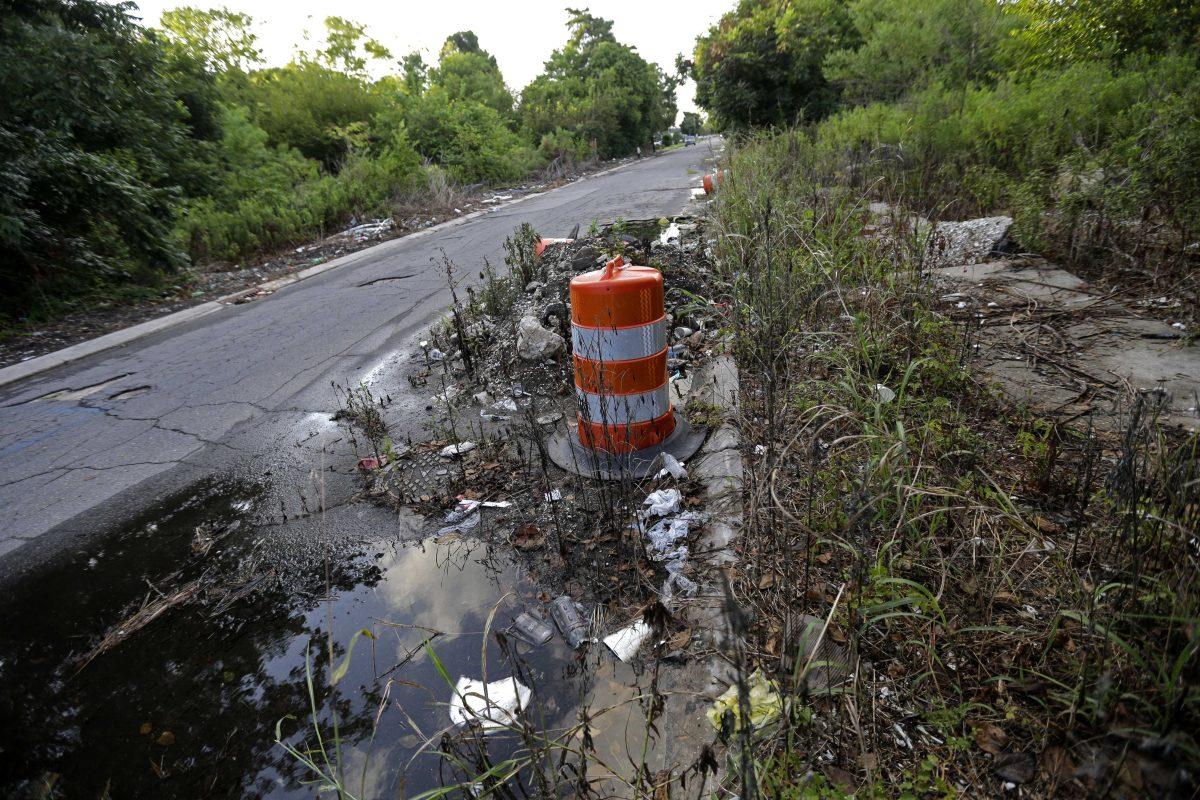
[[158, 661]]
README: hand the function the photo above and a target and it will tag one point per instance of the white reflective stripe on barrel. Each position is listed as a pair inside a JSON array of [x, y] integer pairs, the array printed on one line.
[[624, 409], [619, 344]]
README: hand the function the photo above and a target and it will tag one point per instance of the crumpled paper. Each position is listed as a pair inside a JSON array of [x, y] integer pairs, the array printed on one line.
[[765, 704]]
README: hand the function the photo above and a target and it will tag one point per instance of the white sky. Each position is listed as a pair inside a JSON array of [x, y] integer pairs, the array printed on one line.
[[521, 35]]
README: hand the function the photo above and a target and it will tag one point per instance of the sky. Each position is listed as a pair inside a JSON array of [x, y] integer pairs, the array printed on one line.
[[521, 35]]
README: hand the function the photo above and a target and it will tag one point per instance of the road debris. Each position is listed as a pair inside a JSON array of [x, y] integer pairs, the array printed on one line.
[[626, 642], [535, 343], [492, 705], [765, 704], [663, 502], [456, 450], [530, 629], [570, 621]]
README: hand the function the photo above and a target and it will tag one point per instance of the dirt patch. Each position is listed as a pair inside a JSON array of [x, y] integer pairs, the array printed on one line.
[[492, 406]]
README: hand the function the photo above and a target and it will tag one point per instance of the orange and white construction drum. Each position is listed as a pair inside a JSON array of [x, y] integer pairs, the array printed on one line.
[[619, 338]]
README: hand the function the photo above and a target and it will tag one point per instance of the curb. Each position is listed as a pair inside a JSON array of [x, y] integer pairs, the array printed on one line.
[[34, 366]]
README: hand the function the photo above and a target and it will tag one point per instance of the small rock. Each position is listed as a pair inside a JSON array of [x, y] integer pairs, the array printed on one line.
[[482, 398], [535, 342], [556, 310], [547, 419], [584, 258], [533, 286]]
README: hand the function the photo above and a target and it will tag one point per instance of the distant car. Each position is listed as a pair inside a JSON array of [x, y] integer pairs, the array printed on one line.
[[689, 139]]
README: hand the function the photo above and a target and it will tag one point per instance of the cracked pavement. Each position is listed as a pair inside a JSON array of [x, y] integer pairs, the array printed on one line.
[[91, 443]]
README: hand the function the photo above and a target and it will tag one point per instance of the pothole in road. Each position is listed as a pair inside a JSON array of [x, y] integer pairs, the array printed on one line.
[[75, 394]]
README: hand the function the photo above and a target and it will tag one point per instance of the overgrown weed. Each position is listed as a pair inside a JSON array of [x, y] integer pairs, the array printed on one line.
[[1010, 614]]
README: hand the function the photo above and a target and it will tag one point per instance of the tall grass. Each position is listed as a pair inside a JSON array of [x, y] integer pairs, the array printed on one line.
[[1004, 576]]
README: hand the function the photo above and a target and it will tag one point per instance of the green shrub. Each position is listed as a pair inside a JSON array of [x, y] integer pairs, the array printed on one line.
[[270, 197]]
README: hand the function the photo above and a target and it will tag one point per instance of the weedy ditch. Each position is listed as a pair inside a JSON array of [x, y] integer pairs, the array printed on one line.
[[1012, 595]]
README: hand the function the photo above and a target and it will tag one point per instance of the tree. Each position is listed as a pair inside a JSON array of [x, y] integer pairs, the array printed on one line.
[[599, 90], [311, 107], [221, 39], [414, 72], [761, 64], [469, 139], [348, 48], [467, 72], [691, 123], [1058, 33], [89, 169]]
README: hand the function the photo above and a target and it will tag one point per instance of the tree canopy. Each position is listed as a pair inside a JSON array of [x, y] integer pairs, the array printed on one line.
[[599, 90]]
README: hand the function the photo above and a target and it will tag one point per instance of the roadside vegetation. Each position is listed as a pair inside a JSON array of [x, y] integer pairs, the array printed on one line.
[[1011, 594], [131, 155], [1079, 120]]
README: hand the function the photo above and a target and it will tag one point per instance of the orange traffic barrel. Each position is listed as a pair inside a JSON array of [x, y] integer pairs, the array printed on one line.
[[542, 244], [619, 339], [712, 181], [624, 422]]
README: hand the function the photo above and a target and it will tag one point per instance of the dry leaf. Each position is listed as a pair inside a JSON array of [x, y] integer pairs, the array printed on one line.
[[528, 537], [990, 738], [679, 640], [1046, 526], [767, 580]]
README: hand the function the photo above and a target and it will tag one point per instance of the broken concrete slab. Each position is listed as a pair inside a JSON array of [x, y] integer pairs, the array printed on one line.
[[967, 242], [1049, 341]]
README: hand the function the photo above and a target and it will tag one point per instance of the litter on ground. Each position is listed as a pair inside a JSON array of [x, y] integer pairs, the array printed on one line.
[[663, 502], [492, 705], [454, 450], [765, 704], [626, 642]]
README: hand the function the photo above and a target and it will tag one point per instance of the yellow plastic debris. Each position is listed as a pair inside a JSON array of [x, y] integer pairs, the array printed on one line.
[[765, 703]]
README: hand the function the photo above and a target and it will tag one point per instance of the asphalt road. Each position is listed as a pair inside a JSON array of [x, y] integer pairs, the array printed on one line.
[[96, 441]]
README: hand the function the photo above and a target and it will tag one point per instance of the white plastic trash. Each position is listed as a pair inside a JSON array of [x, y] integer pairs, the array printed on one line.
[[626, 642], [663, 502], [452, 450], [672, 467], [492, 705]]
